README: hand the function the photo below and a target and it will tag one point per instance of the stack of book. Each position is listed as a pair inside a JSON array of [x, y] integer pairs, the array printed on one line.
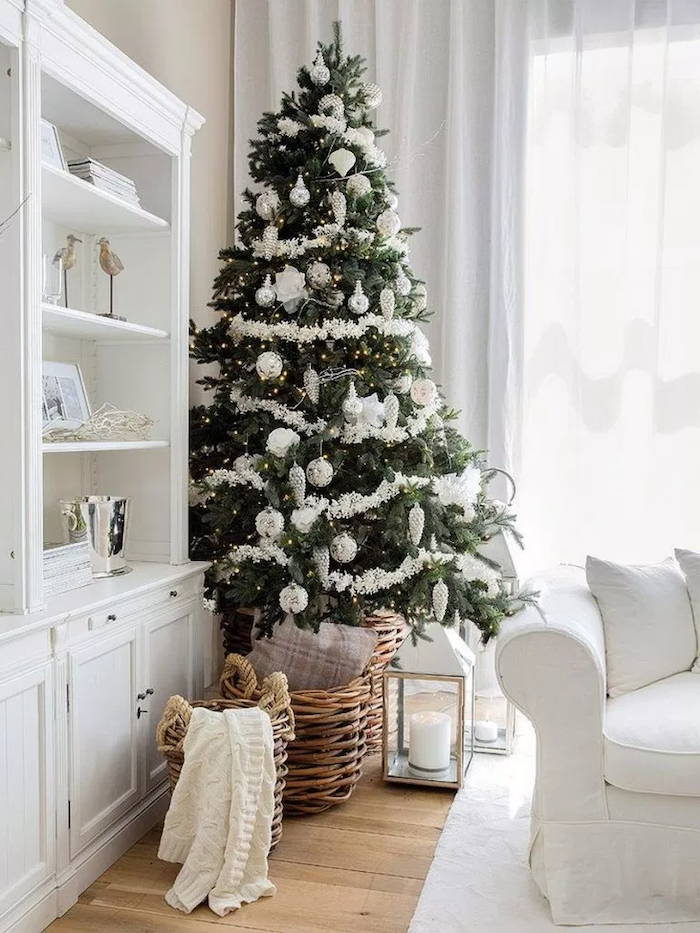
[[66, 567], [106, 179]]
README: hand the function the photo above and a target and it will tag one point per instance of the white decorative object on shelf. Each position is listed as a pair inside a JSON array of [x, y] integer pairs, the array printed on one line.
[[106, 424]]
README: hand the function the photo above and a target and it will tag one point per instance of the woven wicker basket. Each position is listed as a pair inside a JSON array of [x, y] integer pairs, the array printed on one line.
[[325, 759], [391, 630], [237, 628], [272, 696]]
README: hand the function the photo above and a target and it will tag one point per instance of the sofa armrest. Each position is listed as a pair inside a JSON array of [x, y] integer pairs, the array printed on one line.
[[550, 662]]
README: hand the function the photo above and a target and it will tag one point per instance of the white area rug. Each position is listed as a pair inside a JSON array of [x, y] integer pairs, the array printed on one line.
[[479, 881]]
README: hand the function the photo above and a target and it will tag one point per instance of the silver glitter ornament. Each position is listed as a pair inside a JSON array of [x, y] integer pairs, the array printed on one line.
[[358, 302], [319, 472], [269, 365], [319, 73], [267, 204], [312, 384], [300, 195], [358, 185], [269, 241], [322, 559], [339, 206], [293, 599], [416, 524], [343, 548], [387, 302], [440, 597], [265, 295], [388, 223], [318, 275], [297, 483], [371, 95], [391, 410], [269, 523], [332, 105], [352, 406]]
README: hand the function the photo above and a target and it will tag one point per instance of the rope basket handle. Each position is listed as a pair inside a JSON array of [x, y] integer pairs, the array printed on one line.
[[241, 675], [275, 700], [177, 712]]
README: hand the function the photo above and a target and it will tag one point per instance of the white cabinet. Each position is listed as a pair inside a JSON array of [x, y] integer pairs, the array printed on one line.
[[103, 734], [27, 827]]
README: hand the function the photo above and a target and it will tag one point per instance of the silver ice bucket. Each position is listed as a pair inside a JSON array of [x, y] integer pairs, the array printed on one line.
[[103, 522]]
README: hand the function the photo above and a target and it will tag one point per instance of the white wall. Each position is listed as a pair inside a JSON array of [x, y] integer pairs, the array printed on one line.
[[186, 45]]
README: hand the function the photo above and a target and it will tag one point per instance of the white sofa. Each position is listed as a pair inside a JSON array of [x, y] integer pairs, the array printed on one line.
[[615, 831]]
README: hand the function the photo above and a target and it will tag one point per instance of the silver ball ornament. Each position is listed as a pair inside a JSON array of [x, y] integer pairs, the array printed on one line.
[[358, 301], [269, 365], [343, 548], [358, 185], [269, 523], [333, 105], [352, 406], [319, 72], [388, 223], [371, 95], [293, 598], [267, 204], [391, 200], [318, 275], [319, 472], [300, 195], [265, 295]]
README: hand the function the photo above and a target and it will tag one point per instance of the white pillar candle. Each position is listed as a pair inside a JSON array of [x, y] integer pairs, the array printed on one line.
[[485, 730], [429, 741]]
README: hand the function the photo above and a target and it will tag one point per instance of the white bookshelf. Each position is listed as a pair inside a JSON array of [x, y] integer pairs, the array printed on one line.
[[86, 325], [87, 447]]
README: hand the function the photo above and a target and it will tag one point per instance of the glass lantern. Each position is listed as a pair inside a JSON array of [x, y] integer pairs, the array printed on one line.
[[494, 715], [429, 711]]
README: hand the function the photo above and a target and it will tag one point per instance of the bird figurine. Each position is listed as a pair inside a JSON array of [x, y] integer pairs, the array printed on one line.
[[112, 265], [67, 257]]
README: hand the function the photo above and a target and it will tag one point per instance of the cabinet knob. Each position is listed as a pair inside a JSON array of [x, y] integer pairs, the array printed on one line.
[[150, 691], [140, 696], [140, 712], [111, 617], [173, 593]]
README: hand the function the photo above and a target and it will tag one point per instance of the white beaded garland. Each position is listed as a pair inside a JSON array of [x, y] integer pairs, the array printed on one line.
[[440, 597], [388, 223], [297, 483], [343, 548], [319, 73], [387, 302], [319, 472], [293, 598], [312, 384], [265, 295], [416, 523], [322, 559], [333, 105], [358, 301], [371, 95], [391, 410], [339, 207], [300, 195], [358, 185], [318, 275], [269, 365], [267, 204], [269, 523]]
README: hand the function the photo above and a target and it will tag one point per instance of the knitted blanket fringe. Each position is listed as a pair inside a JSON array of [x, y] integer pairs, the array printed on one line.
[[220, 819]]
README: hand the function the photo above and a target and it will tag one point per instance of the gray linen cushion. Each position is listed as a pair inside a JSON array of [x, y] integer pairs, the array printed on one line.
[[314, 661]]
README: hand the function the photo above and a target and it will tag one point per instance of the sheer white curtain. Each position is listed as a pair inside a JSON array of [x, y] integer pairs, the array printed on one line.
[[435, 61], [611, 314]]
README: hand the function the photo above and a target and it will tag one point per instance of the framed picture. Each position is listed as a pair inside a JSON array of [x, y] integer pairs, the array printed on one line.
[[51, 151], [64, 401]]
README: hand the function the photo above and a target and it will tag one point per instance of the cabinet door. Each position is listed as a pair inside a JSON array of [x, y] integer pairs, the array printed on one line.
[[103, 731], [27, 826], [168, 670]]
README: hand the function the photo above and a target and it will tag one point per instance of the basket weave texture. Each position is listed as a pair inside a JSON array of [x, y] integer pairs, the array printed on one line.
[[325, 759], [391, 630], [272, 696]]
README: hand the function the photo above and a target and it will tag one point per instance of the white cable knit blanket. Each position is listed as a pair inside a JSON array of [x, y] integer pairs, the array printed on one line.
[[220, 819]]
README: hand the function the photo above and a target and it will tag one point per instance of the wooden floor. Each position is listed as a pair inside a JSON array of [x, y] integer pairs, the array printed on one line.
[[358, 868]]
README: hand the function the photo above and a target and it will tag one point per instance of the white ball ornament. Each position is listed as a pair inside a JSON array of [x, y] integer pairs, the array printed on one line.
[[297, 483], [441, 596], [267, 204], [269, 523], [352, 406], [343, 548], [342, 161], [388, 223], [416, 524], [339, 206], [358, 301], [332, 105], [265, 295], [312, 384], [371, 95], [322, 559], [318, 275], [269, 365], [387, 302], [391, 200], [366, 134], [300, 195], [293, 598], [358, 185], [391, 410], [319, 472], [424, 392], [319, 73]]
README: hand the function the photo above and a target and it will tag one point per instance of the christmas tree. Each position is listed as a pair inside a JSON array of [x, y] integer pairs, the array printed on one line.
[[329, 481]]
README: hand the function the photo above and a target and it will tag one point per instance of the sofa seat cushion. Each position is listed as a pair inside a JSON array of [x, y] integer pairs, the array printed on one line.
[[652, 737]]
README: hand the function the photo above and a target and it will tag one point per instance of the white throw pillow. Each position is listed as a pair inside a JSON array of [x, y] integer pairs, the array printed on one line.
[[647, 619], [690, 565]]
